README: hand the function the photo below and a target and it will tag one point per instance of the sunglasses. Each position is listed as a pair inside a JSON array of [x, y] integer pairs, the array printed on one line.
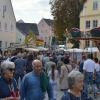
[[11, 69]]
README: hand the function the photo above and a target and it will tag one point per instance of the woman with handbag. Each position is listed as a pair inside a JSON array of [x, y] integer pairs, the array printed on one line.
[[65, 69]]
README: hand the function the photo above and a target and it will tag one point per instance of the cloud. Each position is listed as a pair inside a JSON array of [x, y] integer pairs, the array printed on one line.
[[31, 10], [43, 2]]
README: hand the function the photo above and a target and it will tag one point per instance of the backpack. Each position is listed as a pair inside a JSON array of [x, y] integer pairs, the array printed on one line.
[[81, 67]]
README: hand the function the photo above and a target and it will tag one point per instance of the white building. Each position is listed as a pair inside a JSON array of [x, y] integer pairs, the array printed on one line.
[[7, 24], [20, 37], [89, 19], [45, 30]]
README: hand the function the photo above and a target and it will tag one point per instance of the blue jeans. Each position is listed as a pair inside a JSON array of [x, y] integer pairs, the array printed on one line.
[[88, 80]]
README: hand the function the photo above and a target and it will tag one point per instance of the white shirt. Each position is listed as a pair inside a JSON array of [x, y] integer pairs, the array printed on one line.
[[56, 74], [89, 65], [41, 57], [97, 67]]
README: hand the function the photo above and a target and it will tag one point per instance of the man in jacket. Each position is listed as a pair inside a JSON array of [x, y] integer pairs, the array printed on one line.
[[31, 88]]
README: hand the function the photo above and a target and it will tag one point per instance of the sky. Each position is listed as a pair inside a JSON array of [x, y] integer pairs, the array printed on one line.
[[31, 11]]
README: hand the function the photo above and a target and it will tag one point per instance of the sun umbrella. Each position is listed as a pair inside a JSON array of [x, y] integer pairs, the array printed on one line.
[[92, 49]]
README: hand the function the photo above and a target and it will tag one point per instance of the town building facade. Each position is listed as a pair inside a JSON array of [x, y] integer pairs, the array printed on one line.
[[24, 29], [89, 19], [45, 30], [7, 24]]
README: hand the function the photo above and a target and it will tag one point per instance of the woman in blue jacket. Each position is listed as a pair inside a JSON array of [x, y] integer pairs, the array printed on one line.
[[75, 87], [8, 86]]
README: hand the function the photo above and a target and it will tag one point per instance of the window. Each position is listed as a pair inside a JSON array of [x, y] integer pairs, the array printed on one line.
[[4, 10], [41, 31], [0, 44], [20, 39], [87, 24], [95, 5], [10, 44], [95, 23], [6, 44], [87, 43], [5, 26], [11, 27], [0, 26]]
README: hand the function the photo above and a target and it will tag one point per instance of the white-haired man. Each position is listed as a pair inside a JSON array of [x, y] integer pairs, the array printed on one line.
[[35, 84]]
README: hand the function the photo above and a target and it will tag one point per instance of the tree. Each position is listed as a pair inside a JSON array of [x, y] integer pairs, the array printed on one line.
[[30, 37], [66, 15]]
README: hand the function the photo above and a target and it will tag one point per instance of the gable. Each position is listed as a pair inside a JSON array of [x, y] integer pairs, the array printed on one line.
[[6, 10], [49, 22]]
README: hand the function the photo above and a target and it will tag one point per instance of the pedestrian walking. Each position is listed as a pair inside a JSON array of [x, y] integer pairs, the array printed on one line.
[[35, 84], [65, 69], [29, 63], [20, 67], [8, 85], [97, 73], [75, 86], [88, 70], [53, 75]]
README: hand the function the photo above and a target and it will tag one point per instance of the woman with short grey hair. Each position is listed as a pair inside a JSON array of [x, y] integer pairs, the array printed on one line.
[[75, 87], [74, 77], [6, 65], [8, 86]]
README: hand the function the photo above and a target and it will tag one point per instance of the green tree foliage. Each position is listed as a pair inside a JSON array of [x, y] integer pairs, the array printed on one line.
[[76, 43], [66, 15], [30, 37]]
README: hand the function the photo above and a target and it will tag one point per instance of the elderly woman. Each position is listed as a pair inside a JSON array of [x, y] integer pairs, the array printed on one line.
[[8, 86], [75, 87]]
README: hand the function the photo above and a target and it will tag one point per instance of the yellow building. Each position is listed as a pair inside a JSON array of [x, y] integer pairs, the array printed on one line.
[[89, 18]]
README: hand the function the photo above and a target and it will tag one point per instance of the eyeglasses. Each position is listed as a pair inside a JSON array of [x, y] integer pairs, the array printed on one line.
[[11, 69]]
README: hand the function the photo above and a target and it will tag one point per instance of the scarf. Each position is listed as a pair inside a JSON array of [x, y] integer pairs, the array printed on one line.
[[44, 81]]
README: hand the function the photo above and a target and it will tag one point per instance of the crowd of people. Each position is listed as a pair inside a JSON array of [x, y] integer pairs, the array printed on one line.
[[29, 76]]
